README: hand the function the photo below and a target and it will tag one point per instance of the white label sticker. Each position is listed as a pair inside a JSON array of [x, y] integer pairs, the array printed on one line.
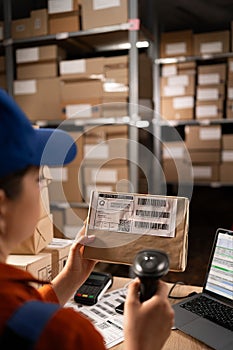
[[230, 93], [25, 87], [109, 176], [168, 70], [183, 102], [58, 6], [174, 91], [206, 111], [176, 49], [211, 133], [227, 156], [207, 79], [100, 151], [27, 55], [173, 152], [207, 94], [211, 47], [180, 80], [73, 66], [104, 4], [78, 111], [202, 172]]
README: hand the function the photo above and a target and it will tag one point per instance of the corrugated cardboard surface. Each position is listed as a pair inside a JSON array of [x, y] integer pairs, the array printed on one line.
[[124, 253]]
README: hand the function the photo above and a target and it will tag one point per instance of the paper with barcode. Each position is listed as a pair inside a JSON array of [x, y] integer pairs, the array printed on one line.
[[133, 213], [104, 317]]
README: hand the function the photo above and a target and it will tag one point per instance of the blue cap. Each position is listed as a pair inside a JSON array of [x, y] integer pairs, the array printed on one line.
[[22, 145]]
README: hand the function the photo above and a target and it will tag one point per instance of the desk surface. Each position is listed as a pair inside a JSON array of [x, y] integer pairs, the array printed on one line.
[[177, 339]]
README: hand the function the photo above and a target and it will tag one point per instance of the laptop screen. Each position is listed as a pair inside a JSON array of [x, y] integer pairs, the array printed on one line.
[[220, 275]]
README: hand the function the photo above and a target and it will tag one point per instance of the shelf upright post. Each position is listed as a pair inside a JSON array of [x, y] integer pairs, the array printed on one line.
[[133, 95], [7, 11]]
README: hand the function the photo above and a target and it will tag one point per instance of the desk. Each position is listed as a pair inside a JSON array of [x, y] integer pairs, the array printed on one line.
[[177, 339]]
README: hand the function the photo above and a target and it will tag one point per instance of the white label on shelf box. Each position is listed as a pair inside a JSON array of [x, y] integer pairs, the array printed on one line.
[[202, 172], [207, 79], [227, 156], [73, 66], [78, 111], [59, 174], [173, 91], [96, 151], [27, 55], [176, 49], [168, 70], [206, 111], [230, 93], [207, 94], [58, 6], [104, 4], [211, 47], [109, 176], [183, 102], [210, 133], [178, 80], [173, 152], [25, 87]]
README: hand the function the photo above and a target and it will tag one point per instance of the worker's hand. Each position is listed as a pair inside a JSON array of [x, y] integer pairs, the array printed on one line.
[[147, 325]]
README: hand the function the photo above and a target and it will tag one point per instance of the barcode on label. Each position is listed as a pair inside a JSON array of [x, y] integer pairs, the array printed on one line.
[[151, 225], [153, 202], [152, 214]]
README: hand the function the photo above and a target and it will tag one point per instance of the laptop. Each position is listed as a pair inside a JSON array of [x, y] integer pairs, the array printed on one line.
[[208, 316]]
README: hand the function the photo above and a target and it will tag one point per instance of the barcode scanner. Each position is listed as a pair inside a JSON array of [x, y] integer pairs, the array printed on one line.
[[149, 266]]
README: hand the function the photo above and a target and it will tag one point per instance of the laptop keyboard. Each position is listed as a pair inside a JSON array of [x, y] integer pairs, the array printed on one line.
[[212, 310]]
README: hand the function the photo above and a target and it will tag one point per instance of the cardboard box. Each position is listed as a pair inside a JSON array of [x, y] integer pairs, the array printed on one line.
[[66, 185], [37, 70], [203, 137], [211, 43], [209, 109], [210, 92], [203, 156], [64, 22], [105, 174], [230, 90], [229, 109], [42, 236], [227, 156], [1, 30], [38, 54], [116, 62], [2, 64], [40, 265], [82, 109], [58, 6], [39, 20], [177, 85], [78, 90], [230, 69], [177, 171], [32, 96], [177, 108], [205, 173], [82, 68], [115, 107], [59, 249], [226, 171], [227, 141], [177, 43], [3, 81], [103, 13], [211, 74], [144, 231], [180, 68], [21, 28]]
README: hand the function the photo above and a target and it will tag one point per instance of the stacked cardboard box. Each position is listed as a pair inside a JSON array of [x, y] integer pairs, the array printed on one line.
[[204, 145], [3, 83], [37, 73], [177, 86], [211, 43], [226, 167], [210, 95], [178, 43], [229, 101], [105, 165], [63, 16]]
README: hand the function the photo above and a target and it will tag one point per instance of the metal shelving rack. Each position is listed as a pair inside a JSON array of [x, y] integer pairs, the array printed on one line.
[[89, 41]]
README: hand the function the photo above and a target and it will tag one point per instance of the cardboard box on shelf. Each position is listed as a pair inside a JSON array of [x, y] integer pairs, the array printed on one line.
[[177, 43], [229, 109], [103, 13], [77, 90], [39, 19], [209, 109], [40, 265], [211, 74], [3, 81], [177, 108], [226, 171], [210, 92], [203, 137], [205, 156], [177, 171], [230, 68], [1, 31], [2, 64], [37, 70], [59, 249], [105, 174], [211, 43], [82, 108], [180, 68], [45, 53], [58, 6], [116, 62], [227, 156], [64, 22], [227, 141], [177, 85], [82, 68], [205, 173], [21, 28], [66, 185], [32, 96], [230, 89]]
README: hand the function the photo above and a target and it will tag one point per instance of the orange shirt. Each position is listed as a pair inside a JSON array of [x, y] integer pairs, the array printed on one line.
[[66, 329]]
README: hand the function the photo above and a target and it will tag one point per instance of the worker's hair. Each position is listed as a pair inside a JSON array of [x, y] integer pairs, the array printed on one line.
[[12, 184]]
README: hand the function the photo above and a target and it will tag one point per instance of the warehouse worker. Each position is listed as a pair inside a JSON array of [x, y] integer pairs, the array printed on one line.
[[34, 318]]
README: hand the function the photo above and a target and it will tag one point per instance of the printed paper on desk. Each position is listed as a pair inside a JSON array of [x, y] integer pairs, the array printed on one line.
[[125, 223]]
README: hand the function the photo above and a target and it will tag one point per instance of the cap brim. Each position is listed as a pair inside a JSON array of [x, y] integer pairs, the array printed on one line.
[[54, 147]]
